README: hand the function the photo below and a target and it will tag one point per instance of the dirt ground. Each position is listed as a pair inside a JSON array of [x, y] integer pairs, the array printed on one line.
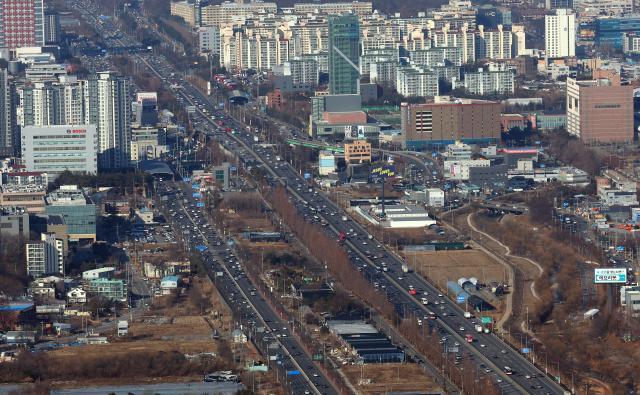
[[386, 378]]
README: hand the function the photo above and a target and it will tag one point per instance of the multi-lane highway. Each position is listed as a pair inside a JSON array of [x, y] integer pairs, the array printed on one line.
[[490, 354], [267, 330]]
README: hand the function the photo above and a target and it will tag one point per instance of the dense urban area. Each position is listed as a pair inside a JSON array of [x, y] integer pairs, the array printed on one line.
[[387, 197]]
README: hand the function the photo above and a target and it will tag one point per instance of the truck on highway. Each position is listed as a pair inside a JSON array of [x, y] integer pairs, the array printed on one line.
[[256, 139], [478, 328], [405, 268], [467, 314], [469, 338], [344, 218]]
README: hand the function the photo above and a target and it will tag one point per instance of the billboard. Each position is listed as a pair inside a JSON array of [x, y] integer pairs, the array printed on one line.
[[354, 132], [610, 276]]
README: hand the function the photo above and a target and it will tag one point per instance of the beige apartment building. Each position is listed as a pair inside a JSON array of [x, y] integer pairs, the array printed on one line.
[[358, 151]]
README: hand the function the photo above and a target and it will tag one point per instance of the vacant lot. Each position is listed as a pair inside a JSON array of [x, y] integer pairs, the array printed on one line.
[[384, 378], [443, 266]]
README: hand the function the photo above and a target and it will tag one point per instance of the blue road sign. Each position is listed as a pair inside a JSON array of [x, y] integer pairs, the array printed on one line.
[[434, 154], [195, 186], [186, 179], [526, 351], [293, 373], [233, 168], [620, 248], [461, 298], [307, 176], [201, 248], [200, 204], [565, 204], [197, 195]]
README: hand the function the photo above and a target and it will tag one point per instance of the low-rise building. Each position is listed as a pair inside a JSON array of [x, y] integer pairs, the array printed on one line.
[[358, 151], [78, 211], [14, 221], [102, 272], [108, 288], [28, 196], [459, 169], [326, 163], [435, 197], [168, 284], [77, 295]]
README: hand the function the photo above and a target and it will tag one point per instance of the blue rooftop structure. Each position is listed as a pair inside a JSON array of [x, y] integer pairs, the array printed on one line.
[[16, 307]]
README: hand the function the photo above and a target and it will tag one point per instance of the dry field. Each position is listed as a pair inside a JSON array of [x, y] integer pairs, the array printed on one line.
[[383, 378]]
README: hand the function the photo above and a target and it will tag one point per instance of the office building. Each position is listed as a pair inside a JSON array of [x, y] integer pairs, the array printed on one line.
[[417, 81], [147, 143], [344, 55], [45, 256], [21, 23], [558, 4], [209, 40], [7, 118], [358, 151], [340, 117], [610, 30], [560, 34], [146, 108], [54, 149], [490, 16], [598, 110], [42, 72], [496, 80], [14, 221], [109, 108], [52, 29], [28, 196], [446, 121], [78, 211], [222, 175]]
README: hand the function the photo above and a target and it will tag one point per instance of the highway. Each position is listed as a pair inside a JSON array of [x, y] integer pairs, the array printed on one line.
[[260, 322], [490, 354]]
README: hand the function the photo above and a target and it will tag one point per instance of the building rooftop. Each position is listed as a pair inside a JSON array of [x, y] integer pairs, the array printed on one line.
[[23, 188], [67, 195]]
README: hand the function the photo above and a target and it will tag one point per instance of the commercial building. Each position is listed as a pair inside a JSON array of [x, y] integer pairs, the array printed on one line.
[[459, 169], [14, 221], [434, 197], [45, 256], [560, 34], [147, 143], [29, 196], [78, 211], [340, 117], [146, 109], [358, 151], [109, 108], [21, 23], [446, 121], [551, 121], [24, 178], [54, 149], [344, 55], [108, 289], [222, 175], [497, 79], [610, 31], [326, 163], [45, 71], [598, 110]]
